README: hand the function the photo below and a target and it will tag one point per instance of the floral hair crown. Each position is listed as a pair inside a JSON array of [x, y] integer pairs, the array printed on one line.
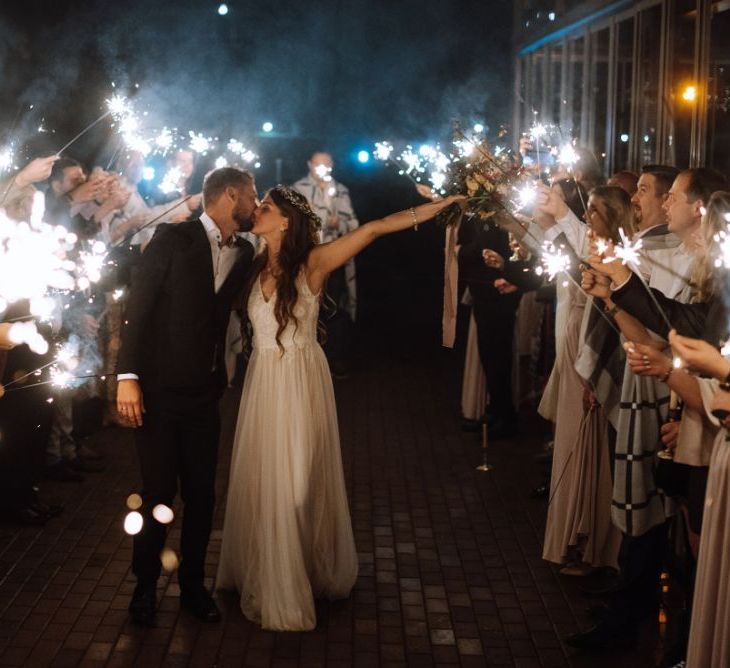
[[299, 202]]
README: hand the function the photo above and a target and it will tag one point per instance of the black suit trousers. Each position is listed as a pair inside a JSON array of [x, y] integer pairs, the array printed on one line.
[[495, 321], [177, 442]]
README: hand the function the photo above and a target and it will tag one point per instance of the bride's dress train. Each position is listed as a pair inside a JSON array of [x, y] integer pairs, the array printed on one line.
[[287, 535]]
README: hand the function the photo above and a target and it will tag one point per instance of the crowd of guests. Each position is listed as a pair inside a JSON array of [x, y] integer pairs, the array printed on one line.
[[635, 386], [44, 429]]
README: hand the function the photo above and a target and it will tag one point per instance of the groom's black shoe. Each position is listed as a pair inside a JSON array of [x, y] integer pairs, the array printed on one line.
[[142, 606], [201, 604]]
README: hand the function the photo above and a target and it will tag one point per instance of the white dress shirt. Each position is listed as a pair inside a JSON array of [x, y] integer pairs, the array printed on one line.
[[223, 256]]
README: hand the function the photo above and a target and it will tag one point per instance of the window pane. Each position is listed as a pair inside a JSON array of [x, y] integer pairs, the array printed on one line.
[[718, 108], [624, 79], [556, 71], [577, 57], [600, 44], [649, 49], [682, 84]]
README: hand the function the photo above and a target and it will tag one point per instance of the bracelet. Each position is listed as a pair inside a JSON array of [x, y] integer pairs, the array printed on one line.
[[665, 377], [612, 311], [415, 218]]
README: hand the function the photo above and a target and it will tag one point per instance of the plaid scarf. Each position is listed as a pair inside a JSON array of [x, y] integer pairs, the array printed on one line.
[[637, 504]]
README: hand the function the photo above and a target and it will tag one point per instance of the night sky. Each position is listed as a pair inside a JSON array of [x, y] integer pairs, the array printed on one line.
[[332, 75]]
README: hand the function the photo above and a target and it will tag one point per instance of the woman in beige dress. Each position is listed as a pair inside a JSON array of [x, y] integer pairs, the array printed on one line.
[[287, 535], [579, 534]]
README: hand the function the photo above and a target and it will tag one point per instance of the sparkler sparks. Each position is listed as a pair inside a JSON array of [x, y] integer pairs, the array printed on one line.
[[554, 261], [199, 143], [527, 196], [567, 155], [7, 159], [172, 181], [383, 150], [626, 251]]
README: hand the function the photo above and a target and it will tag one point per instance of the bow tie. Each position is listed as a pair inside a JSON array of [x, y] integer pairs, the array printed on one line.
[[231, 243]]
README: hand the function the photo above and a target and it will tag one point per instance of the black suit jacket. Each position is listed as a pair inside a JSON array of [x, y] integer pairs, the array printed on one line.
[[474, 236], [175, 323], [706, 321]]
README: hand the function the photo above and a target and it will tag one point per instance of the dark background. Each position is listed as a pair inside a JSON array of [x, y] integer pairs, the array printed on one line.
[[330, 75]]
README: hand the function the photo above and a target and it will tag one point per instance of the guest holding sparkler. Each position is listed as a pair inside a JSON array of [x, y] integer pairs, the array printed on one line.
[[330, 200], [494, 315], [644, 527], [581, 397]]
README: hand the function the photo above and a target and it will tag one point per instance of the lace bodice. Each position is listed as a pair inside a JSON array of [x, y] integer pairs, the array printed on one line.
[[298, 334]]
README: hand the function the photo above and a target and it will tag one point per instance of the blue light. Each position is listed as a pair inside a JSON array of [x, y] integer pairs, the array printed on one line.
[[148, 173], [624, 137], [268, 126], [478, 127], [363, 157], [222, 9]]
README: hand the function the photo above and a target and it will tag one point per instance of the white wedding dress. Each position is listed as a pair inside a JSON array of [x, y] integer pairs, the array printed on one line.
[[287, 535]]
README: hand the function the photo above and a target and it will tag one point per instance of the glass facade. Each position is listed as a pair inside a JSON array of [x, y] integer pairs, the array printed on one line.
[[637, 82]]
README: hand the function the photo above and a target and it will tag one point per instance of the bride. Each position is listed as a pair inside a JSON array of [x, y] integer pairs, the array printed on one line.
[[287, 536]]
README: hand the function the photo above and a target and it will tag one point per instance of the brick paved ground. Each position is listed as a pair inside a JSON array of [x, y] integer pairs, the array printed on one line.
[[450, 558]]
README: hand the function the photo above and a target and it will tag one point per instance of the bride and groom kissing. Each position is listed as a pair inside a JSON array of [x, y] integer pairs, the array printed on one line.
[[287, 535]]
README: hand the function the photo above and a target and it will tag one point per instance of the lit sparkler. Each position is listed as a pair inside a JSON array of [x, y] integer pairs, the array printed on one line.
[[7, 158], [626, 251], [554, 261], [172, 181], [199, 143]]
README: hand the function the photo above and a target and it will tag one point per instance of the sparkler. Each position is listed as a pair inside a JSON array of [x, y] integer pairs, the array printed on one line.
[[554, 261], [199, 143], [628, 252], [7, 158], [172, 181]]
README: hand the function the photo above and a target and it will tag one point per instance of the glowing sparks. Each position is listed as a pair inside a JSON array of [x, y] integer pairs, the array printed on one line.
[[526, 196], [239, 149], [221, 162], [567, 155], [199, 143], [323, 172], [537, 131], [119, 106], [164, 140], [554, 261], [626, 251], [172, 181], [7, 158], [602, 246], [383, 150], [677, 363]]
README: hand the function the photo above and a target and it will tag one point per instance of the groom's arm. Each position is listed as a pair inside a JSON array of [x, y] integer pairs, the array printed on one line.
[[146, 287]]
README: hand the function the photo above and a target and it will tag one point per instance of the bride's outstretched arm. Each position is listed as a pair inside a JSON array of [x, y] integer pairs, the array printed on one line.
[[325, 258]]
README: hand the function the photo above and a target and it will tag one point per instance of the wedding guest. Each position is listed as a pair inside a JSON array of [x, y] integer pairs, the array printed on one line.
[[709, 638], [625, 180], [494, 314], [644, 526], [578, 533], [330, 200]]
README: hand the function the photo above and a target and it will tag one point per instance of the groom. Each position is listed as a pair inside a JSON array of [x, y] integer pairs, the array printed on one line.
[[171, 375]]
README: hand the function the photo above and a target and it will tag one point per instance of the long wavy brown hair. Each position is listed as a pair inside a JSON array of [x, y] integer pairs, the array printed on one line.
[[706, 276], [296, 244]]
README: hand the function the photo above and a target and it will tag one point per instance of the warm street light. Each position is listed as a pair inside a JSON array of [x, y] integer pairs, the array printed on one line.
[[689, 94]]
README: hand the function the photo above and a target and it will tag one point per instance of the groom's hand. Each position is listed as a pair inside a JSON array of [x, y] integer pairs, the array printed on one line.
[[129, 402]]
